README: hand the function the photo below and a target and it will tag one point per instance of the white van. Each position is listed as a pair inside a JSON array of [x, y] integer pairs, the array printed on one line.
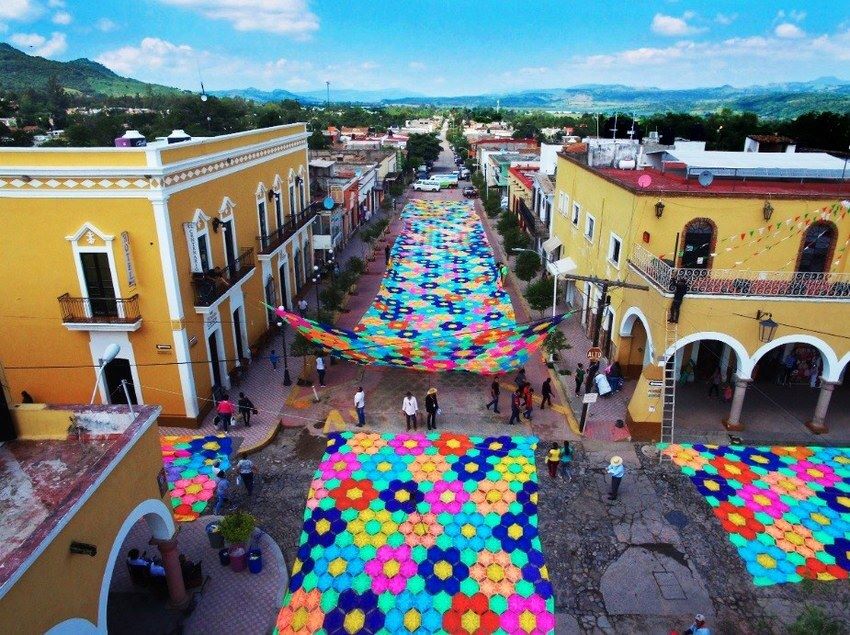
[[426, 185]]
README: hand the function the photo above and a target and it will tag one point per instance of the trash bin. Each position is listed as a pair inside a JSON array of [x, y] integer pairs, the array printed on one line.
[[255, 561], [238, 557], [224, 556], [214, 535]]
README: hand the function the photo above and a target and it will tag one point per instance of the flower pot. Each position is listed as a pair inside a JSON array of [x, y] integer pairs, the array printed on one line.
[[224, 557], [238, 558], [255, 561], [214, 535]]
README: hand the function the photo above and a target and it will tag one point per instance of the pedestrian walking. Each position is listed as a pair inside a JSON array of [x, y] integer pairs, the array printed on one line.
[[528, 398], [246, 409], [520, 380], [716, 380], [553, 459], [616, 470], [566, 461], [302, 307], [410, 409], [274, 358], [789, 363], [387, 252], [546, 393], [222, 487], [602, 385], [516, 402], [579, 378], [320, 369], [688, 373], [246, 473], [224, 411], [360, 406], [698, 627], [503, 273], [432, 408], [494, 395]]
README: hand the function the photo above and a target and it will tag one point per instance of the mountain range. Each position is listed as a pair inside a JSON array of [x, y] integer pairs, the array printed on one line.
[[19, 71]]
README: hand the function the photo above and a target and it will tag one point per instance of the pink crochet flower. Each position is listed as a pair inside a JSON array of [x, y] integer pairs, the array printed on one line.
[[339, 465], [815, 472], [409, 443], [390, 569], [527, 615], [763, 500], [447, 496]]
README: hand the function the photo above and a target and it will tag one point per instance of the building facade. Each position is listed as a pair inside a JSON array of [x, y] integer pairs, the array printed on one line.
[[750, 243], [169, 251]]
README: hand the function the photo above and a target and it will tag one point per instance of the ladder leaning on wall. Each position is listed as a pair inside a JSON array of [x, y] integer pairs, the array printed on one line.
[[668, 394]]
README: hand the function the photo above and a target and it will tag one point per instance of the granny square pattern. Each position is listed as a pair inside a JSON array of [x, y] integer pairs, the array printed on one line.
[[786, 509], [421, 533], [440, 306], [189, 469]]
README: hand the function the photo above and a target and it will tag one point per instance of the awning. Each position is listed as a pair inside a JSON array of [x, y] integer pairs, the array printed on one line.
[[561, 267], [551, 244]]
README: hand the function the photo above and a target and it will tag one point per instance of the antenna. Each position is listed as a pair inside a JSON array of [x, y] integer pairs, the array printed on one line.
[[614, 129], [705, 178], [328, 99], [597, 125], [632, 129]]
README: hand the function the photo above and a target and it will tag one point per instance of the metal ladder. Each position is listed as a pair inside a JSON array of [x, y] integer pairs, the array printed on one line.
[[668, 395]]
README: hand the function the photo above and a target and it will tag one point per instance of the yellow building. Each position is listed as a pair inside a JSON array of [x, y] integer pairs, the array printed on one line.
[[67, 503], [168, 250], [521, 201], [756, 237]]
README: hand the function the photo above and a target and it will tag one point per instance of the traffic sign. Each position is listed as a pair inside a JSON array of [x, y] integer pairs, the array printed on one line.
[[656, 383], [594, 354], [590, 397]]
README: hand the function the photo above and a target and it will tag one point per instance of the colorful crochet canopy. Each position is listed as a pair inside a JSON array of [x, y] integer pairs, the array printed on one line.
[[421, 533], [786, 509], [440, 306], [190, 470]]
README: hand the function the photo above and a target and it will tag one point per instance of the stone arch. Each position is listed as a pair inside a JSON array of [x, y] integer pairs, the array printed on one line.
[[629, 317], [831, 370], [810, 239], [744, 366], [160, 522], [842, 365], [693, 223]]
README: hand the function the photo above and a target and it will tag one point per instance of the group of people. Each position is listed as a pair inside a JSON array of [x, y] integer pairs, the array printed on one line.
[[501, 274], [522, 399], [600, 377], [560, 458], [226, 412], [244, 476], [155, 570], [410, 409]]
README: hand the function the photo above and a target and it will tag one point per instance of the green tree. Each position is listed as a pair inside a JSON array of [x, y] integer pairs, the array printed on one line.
[[515, 238], [317, 141], [426, 147], [527, 265], [539, 294]]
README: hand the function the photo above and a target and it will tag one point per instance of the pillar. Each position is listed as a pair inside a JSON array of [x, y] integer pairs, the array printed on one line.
[[818, 423], [733, 422], [177, 596], [695, 352], [724, 361]]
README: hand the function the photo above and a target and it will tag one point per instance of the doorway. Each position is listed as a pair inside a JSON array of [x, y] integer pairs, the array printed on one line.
[[283, 271], [229, 249], [696, 249], [270, 300], [237, 330], [99, 288], [212, 342], [115, 372]]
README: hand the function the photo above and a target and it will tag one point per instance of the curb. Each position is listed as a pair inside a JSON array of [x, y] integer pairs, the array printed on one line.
[[262, 444]]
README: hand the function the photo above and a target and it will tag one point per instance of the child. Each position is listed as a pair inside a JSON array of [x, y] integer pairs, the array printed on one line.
[[566, 459], [528, 396], [553, 459], [579, 378]]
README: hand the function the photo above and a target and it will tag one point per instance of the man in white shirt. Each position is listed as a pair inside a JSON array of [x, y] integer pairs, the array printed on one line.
[[409, 407], [360, 406], [302, 307], [320, 369], [246, 473]]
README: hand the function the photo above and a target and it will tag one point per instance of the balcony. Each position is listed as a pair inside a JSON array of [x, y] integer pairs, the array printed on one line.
[[100, 314], [277, 237], [210, 286], [741, 282]]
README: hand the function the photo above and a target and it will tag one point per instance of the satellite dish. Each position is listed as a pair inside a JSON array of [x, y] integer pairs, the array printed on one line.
[[705, 178], [328, 202], [645, 181]]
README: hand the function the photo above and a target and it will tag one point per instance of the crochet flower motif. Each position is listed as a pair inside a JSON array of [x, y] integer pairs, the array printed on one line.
[[409, 443], [447, 496], [527, 615], [421, 529], [738, 520], [443, 570], [401, 496], [340, 465], [367, 443], [470, 615], [515, 532], [763, 500], [355, 613], [302, 614], [323, 526], [372, 528], [353, 494], [453, 444], [428, 467], [493, 497], [793, 538], [338, 567], [815, 473], [495, 573], [471, 468], [785, 485], [391, 568]]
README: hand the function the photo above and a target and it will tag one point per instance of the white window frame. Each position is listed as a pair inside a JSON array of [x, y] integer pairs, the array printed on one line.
[[576, 214], [262, 209], [226, 214], [279, 211], [200, 229], [302, 189], [611, 239], [589, 224], [291, 188], [78, 247]]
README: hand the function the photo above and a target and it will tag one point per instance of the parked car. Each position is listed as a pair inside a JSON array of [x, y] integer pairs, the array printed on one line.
[[446, 180], [504, 202], [426, 185], [470, 192], [464, 174]]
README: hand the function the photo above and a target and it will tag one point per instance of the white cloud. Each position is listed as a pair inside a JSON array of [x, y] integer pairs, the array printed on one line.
[[796, 16], [287, 17], [19, 10], [36, 44], [672, 26], [417, 66], [788, 31], [56, 4], [725, 19], [106, 25], [62, 17]]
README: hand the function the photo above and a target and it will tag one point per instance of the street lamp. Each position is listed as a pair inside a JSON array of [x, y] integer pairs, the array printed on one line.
[[281, 323], [109, 354], [767, 326], [316, 279]]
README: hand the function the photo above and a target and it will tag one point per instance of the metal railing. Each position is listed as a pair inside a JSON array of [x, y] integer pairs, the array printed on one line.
[[213, 284], [741, 282], [99, 310], [292, 224]]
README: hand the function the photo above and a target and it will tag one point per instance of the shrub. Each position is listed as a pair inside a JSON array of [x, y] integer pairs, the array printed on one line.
[[527, 265], [331, 296], [515, 238], [555, 342], [815, 620], [356, 266], [507, 221], [237, 527]]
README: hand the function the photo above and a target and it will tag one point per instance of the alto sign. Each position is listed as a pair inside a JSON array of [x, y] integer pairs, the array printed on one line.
[[594, 354]]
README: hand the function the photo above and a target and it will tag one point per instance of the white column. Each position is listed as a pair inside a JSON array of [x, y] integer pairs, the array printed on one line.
[[734, 420], [695, 351], [818, 422], [724, 360]]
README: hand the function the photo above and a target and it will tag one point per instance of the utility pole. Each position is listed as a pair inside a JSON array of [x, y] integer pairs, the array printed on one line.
[[328, 98], [603, 302]]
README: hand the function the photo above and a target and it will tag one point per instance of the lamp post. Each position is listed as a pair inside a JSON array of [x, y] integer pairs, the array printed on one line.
[[109, 354], [287, 381], [316, 279]]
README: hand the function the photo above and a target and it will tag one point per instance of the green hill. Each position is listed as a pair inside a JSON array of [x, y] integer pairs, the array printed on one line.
[[19, 71]]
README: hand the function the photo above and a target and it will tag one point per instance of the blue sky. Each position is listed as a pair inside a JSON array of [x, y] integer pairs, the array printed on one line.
[[440, 47]]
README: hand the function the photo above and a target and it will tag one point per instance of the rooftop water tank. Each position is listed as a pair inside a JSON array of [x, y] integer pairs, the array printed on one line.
[[131, 139], [178, 136]]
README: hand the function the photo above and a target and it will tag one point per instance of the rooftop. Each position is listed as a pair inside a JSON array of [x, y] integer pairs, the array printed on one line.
[[779, 165], [525, 174], [44, 477]]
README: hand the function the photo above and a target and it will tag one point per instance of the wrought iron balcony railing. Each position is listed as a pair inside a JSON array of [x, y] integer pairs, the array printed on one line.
[[277, 237], [210, 286], [741, 282], [99, 310]]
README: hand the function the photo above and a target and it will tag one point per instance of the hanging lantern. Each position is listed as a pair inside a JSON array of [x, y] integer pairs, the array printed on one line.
[[767, 210], [767, 326], [659, 209]]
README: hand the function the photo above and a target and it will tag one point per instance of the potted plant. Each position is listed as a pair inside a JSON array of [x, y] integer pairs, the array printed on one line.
[[237, 528], [555, 342]]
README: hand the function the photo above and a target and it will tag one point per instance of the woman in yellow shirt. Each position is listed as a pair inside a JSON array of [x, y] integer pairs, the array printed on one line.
[[553, 459]]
